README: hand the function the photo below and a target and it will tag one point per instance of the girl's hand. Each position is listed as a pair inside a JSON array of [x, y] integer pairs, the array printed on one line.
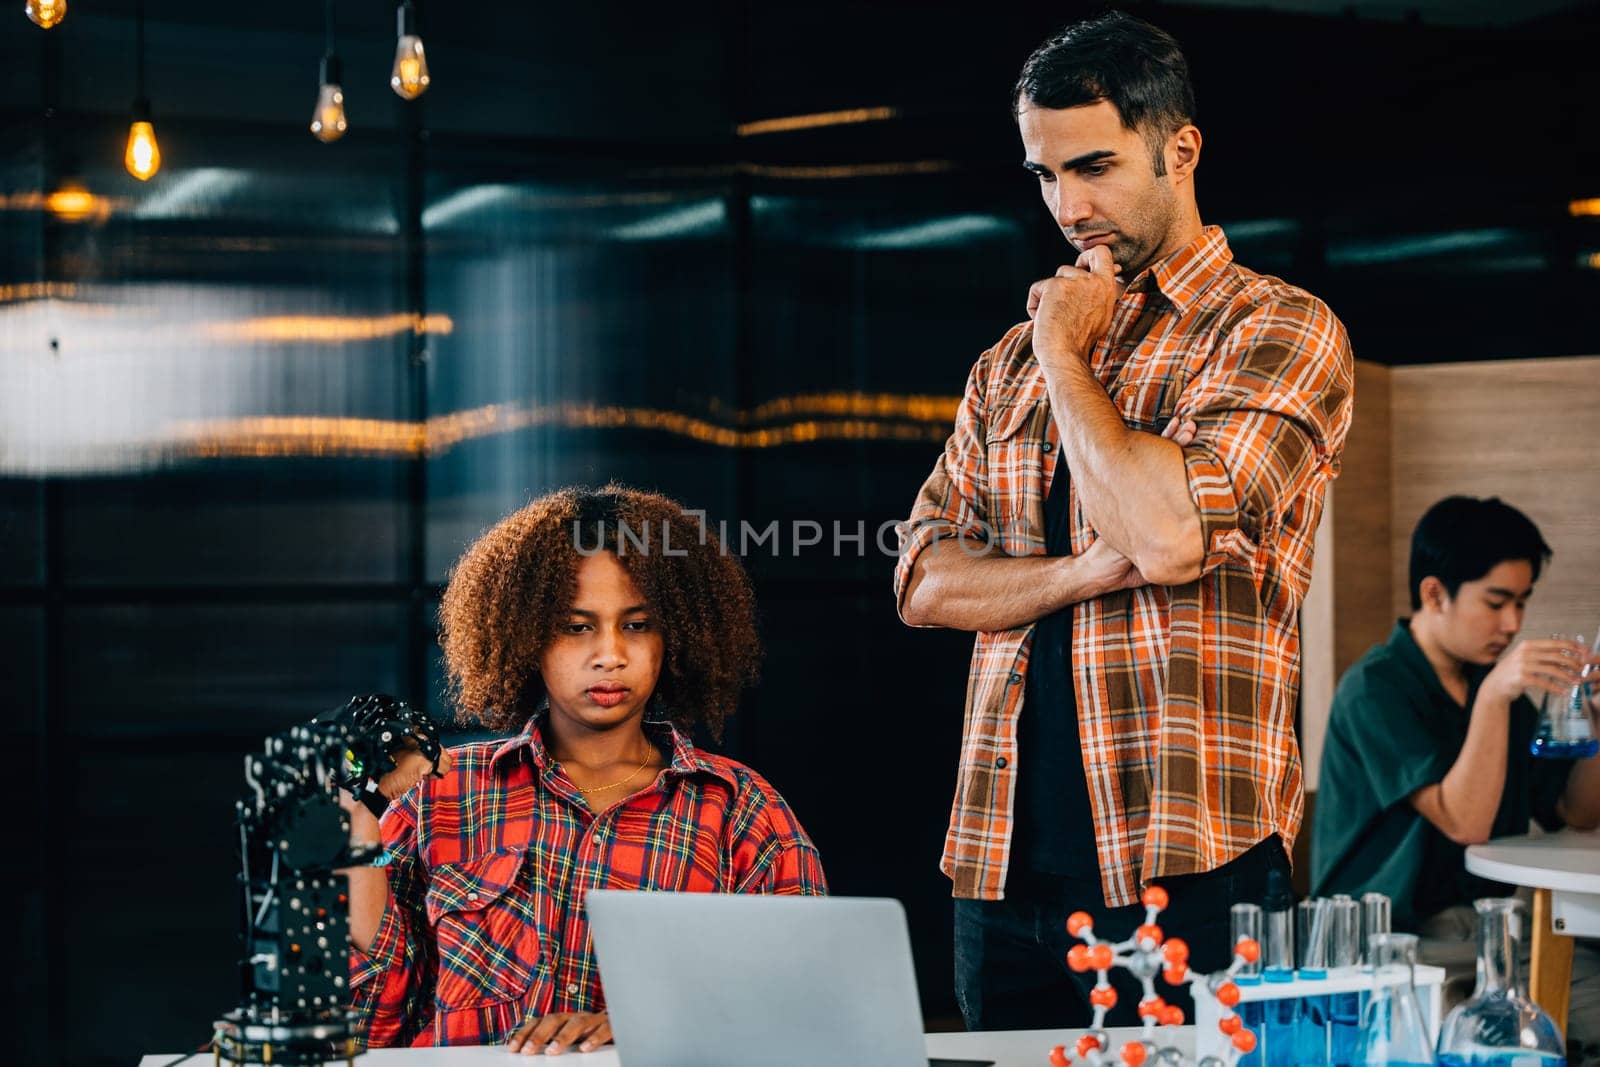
[[553, 1034]]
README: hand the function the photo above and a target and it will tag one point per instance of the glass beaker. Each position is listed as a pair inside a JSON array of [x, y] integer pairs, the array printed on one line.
[[1565, 730], [1393, 1031], [1500, 1026]]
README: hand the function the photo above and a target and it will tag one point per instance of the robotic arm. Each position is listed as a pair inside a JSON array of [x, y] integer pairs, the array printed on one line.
[[293, 836]]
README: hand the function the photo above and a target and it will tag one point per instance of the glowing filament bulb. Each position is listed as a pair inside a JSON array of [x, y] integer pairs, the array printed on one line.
[[46, 13], [72, 202], [327, 121], [143, 157], [410, 75]]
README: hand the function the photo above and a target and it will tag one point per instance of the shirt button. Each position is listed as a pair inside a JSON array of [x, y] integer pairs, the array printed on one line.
[[1001, 763], [472, 896], [572, 989], [1016, 679], [1049, 445]]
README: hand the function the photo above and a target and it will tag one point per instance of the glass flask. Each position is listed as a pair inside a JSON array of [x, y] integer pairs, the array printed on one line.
[[1565, 730], [1393, 1031], [1500, 1026]]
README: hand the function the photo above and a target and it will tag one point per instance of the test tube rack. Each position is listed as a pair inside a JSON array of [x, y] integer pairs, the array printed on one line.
[[1429, 983]]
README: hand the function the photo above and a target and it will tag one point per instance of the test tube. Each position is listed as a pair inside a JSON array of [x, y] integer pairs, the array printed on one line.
[[1374, 920], [1311, 936], [1344, 958], [1311, 1020], [1277, 920], [1246, 921]]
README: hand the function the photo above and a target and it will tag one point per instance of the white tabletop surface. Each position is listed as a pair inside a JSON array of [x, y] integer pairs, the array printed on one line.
[[1567, 861], [1007, 1048]]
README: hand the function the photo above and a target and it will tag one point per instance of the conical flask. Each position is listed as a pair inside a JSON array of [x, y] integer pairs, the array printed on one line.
[[1500, 1026], [1393, 1031], [1565, 730]]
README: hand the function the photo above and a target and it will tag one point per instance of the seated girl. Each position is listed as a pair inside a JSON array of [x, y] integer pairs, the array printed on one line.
[[597, 629]]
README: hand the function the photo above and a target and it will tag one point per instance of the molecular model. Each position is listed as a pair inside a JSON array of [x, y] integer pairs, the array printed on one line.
[[1143, 955]]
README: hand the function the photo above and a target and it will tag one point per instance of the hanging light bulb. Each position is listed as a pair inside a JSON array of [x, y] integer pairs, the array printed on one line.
[[327, 121], [410, 75], [143, 157], [73, 203], [46, 13]]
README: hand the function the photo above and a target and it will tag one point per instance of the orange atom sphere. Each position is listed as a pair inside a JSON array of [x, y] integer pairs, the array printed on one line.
[[1103, 997], [1079, 921], [1087, 1043], [1133, 1053], [1152, 1006], [1228, 995], [1059, 1057], [1100, 957], [1176, 973], [1245, 1041], [1230, 1024], [1247, 950], [1176, 950], [1078, 958], [1154, 897], [1172, 1015], [1148, 932]]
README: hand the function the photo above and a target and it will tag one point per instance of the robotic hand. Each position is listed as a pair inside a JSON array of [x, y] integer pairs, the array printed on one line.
[[381, 728], [293, 836]]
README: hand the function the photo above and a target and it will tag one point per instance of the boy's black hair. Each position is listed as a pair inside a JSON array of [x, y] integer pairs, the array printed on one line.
[[1461, 539]]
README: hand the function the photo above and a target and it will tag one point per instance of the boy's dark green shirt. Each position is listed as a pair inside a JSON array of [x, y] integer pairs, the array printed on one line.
[[1393, 729]]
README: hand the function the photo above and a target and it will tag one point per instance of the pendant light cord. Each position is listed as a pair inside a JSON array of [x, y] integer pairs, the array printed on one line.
[[138, 24]]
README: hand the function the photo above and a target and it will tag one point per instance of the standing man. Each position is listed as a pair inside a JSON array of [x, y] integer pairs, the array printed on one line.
[[1124, 515]]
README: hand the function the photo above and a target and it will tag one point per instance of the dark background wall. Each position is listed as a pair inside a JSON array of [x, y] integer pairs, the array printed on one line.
[[617, 285]]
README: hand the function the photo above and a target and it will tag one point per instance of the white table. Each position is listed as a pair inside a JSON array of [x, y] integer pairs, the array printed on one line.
[[1563, 869], [1007, 1048]]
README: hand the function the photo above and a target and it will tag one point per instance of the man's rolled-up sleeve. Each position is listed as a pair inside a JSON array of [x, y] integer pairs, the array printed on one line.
[[1271, 408], [951, 502]]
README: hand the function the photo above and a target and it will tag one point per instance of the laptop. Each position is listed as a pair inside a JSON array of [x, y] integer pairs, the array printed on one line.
[[732, 980]]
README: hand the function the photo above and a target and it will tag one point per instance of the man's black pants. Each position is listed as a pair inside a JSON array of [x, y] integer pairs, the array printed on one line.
[[1011, 954]]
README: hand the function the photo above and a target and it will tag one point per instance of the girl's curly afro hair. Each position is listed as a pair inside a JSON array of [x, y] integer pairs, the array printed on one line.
[[516, 583]]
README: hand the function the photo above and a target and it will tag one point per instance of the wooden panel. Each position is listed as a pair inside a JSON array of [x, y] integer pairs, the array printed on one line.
[[1347, 608], [1363, 613], [1524, 431]]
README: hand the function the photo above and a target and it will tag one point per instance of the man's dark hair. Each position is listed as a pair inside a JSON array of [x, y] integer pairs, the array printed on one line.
[[1461, 539], [1137, 67]]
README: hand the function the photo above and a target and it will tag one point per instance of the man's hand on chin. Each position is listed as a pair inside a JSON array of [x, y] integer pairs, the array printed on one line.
[[1071, 312]]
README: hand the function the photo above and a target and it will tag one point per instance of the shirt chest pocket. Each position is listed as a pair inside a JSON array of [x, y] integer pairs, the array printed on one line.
[[486, 930], [1146, 404], [1015, 453]]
